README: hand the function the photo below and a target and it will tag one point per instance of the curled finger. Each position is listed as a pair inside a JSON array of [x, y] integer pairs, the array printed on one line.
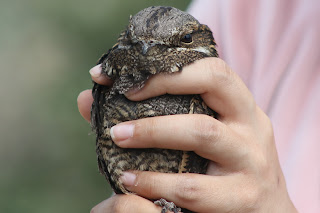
[[221, 89]]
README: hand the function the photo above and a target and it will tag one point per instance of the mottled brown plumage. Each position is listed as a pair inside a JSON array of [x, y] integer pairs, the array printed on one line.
[[157, 40]]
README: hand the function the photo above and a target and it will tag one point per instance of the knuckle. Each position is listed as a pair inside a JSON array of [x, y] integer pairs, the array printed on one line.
[[264, 168], [251, 197], [268, 127], [258, 161], [263, 163], [218, 69], [145, 128], [205, 130], [188, 190]]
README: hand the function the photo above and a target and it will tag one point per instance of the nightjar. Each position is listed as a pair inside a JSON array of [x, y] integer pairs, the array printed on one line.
[[157, 40]]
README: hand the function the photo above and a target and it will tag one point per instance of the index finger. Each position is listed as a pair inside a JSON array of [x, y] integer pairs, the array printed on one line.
[[221, 89]]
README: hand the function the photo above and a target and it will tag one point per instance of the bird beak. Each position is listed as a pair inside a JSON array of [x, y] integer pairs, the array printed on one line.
[[145, 47]]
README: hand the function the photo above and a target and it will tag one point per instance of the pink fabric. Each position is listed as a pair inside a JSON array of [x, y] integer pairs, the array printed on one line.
[[274, 45]]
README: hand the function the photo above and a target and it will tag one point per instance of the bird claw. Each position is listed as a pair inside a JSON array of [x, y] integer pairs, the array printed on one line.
[[167, 206]]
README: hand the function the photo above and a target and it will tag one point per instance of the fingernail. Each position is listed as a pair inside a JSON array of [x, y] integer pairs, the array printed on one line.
[[121, 132], [128, 178], [95, 71]]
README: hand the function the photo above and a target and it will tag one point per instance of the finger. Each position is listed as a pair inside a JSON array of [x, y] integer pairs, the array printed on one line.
[[202, 134], [126, 203], [98, 77], [221, 89], [199, 193], [84, 101]]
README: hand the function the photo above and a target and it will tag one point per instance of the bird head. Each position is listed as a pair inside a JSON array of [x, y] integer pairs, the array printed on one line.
[[172, 28], [157, 39]]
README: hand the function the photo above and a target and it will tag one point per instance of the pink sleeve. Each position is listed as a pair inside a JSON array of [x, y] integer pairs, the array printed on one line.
[[274, 46]]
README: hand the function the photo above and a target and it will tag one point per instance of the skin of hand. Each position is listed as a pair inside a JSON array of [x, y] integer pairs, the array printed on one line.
[[244, 174]]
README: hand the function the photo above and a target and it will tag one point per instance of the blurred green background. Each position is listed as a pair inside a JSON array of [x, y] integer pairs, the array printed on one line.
[[47, 151]]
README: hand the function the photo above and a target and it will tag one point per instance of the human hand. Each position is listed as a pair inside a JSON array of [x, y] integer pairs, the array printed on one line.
[[126, 203], [244, 174]]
